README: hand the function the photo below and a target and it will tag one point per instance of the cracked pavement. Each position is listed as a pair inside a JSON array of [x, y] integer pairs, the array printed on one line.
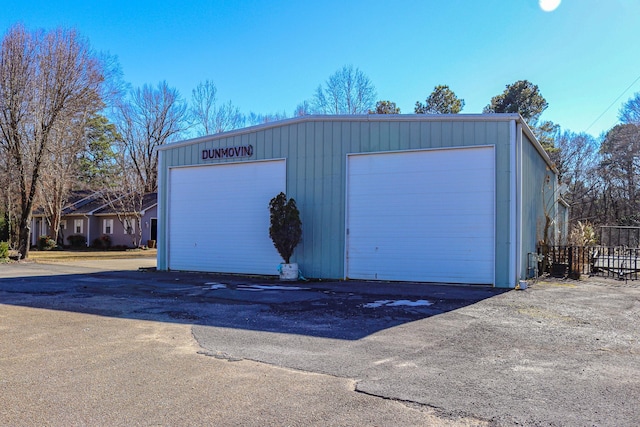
[[558, 353]]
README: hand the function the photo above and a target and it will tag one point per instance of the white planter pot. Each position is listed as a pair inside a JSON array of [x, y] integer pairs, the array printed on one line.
[[289, 271]]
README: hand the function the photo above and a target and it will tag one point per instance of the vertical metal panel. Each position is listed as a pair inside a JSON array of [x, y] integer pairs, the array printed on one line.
[[272, 143], [457, 137], [360, 133], [298, 176], [503, 202], [260, 149], [291, 135], [187, 153], [180, 156], [414, 135], [435, 137], [394, 136], [469, 132], [169, 156], [373, 138], [285, 147], [490, 131], [253, 141], [425, 134]]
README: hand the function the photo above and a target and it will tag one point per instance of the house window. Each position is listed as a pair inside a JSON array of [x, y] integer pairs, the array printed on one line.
[[129, 226], [77, 226], [107, 226], [63, 224]]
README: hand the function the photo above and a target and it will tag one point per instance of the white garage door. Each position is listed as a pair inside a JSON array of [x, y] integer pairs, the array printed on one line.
[[422, 216], [219, 217]]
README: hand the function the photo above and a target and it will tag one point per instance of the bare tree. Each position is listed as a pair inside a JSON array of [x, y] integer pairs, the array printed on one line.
[[148, 119], [115, 88], [630, 111], [577, 160], [81, 145], [211, 117], [302, 109], [61, 175], [347, 91], [258, 119], [45, 78], [126, 202], [620, 168]]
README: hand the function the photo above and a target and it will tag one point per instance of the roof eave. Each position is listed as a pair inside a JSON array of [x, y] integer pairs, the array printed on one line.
[[346, 118], [536, 144]]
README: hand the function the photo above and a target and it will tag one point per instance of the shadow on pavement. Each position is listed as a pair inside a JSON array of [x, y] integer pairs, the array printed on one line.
[[347, 310]]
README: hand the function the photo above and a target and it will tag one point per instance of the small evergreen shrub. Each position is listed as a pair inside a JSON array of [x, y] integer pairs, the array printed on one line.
[[102, 242], [4, 227], [77, 241], [4, 250], [46, 243], [286, 228]]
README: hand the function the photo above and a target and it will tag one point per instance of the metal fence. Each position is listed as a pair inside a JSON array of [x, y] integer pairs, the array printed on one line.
[[617, 235], [573, 261]]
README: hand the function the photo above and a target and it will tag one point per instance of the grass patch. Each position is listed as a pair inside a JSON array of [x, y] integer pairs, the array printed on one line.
[[62, 256]]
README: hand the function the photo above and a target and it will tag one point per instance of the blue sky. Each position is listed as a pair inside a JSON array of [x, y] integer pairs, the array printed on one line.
[[268, 56]]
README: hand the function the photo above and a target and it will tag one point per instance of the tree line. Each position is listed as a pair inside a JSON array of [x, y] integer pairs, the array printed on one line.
[[69, 121]]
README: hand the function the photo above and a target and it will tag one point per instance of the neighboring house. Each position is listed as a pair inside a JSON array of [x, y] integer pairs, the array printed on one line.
[[89, 215], [122, 227], [426, 198], [73, 220]]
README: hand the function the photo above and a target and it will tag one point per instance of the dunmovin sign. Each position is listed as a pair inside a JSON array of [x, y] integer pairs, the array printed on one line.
[[227, 153]]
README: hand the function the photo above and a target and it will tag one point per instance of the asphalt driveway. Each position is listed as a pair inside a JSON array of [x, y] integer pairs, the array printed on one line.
[[558, 353]]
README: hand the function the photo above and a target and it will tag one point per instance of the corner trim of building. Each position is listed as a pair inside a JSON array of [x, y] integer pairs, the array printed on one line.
[[513, 138]]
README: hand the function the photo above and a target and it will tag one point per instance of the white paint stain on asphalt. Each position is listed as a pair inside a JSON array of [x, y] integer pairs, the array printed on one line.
[[376, 304], [256, 288], [398, 303]]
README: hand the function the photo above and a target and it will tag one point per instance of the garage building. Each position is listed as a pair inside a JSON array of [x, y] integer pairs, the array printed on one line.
[[428, 198]]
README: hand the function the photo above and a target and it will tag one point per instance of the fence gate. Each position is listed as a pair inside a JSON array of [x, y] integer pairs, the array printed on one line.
[[606, 261]]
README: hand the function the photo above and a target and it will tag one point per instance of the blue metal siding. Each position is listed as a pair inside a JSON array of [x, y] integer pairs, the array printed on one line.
[[539, 186]]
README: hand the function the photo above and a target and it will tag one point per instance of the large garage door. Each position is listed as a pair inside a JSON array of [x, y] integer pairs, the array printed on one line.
[[422, 216], [219, 217]]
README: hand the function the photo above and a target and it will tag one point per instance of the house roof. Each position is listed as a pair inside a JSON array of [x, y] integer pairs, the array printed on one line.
[[76, 203], [85, 202], [87, 206], [79, 195], [149, 200]]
